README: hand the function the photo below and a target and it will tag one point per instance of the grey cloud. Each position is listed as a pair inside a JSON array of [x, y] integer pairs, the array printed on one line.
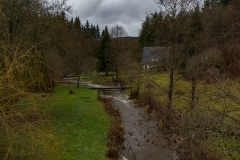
[[128, 13]]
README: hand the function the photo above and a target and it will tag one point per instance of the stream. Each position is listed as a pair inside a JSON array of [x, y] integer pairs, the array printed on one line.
[[143, 138]]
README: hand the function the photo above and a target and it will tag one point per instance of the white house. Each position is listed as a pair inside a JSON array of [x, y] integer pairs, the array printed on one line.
[[154, 56]]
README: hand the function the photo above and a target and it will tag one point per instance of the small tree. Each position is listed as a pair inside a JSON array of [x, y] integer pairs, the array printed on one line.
[[117, 34], [195, 63]]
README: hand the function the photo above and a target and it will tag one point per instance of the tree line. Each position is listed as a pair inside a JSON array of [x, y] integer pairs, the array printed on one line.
[[44, 28]]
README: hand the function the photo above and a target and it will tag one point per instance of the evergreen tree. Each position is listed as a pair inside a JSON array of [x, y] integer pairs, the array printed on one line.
[[93, 31], [196, 26], [213, 3], [149, 34], [71, 24], [144, 35], [63, 16], [103, 51], [98, 32], [77, 23], [87, 26]]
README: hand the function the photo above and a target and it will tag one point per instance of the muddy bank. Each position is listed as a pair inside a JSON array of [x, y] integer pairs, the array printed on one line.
[[116, 131]]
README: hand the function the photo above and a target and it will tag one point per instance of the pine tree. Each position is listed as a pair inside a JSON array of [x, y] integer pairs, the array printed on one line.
[[77, 23], [98, 32], [148, 35], [196, 26], [93, 31], [144, 35], [87, 26], [70, 24], [63, 16], [103, 51]]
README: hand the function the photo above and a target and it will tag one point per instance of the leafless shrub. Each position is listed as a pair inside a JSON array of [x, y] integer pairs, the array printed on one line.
[[23, 126]]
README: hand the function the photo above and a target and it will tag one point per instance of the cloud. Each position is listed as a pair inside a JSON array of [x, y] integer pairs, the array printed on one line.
[[128, 13]]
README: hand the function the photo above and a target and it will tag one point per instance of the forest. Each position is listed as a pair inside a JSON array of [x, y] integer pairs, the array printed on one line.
[[195, 95]]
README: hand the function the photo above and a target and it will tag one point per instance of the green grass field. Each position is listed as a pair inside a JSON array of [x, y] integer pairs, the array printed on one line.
[[208, 94], [80, 122]]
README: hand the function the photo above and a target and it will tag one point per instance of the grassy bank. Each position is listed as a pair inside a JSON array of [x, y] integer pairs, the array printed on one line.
[[210, 130], [80, 122]]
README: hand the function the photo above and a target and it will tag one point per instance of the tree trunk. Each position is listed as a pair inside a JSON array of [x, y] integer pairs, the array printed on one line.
[[78, 74], [170, 91], [193, 92], [117, 76], [51, 91]]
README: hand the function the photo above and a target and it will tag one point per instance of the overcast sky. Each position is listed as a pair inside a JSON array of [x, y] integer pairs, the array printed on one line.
[[127, 13]]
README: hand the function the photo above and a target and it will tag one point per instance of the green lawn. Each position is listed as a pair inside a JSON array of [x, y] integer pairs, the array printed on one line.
[[79, 121]]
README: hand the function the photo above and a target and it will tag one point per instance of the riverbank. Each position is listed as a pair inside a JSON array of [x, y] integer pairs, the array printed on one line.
[[79, 121], [142, 136]]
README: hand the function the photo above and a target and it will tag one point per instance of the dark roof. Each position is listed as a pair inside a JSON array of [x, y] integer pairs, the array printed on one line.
[[154, 52]]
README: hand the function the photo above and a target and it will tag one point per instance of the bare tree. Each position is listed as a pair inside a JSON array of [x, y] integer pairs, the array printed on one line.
[[117, 34], [175, 24]]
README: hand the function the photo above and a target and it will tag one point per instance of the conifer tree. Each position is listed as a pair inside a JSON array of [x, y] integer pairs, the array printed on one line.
[[70, 24], [93, 31], [77, 23], [87, 26], [103, 51], [98, 32], [144, 35], [148, 35]]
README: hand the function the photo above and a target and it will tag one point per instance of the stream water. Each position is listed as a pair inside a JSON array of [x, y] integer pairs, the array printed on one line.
[[143, 138]]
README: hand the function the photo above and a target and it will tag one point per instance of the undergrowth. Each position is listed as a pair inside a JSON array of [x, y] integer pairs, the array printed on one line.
[[116, 131]]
